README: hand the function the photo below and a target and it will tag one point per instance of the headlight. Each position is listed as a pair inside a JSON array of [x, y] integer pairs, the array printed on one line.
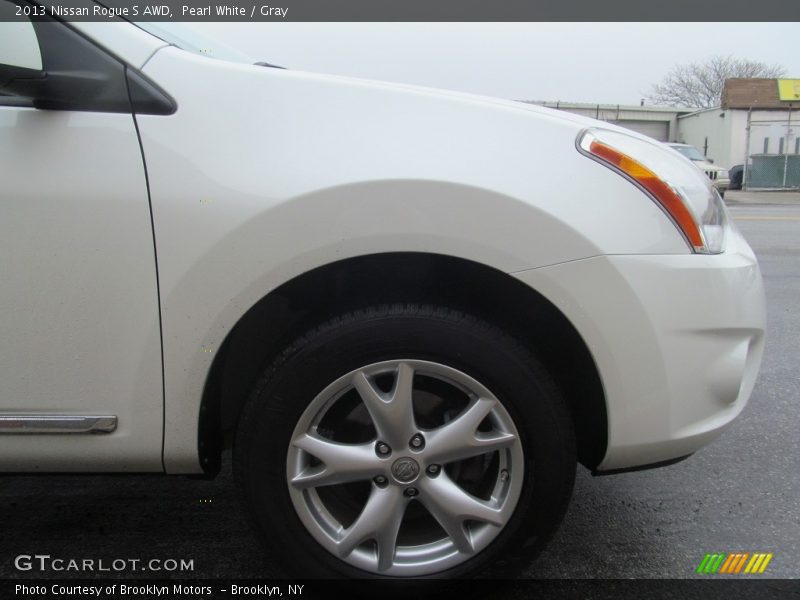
[[684, 193]]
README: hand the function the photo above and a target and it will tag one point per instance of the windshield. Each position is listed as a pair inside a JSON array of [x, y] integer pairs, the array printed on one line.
[[186, 38], [690, 152]]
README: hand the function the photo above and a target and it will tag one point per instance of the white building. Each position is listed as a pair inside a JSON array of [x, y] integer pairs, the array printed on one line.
[[719, 134], [658, 122], [752, 120]]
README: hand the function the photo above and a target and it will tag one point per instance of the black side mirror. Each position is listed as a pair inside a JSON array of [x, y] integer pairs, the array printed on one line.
[[10, 74], [52, 89]]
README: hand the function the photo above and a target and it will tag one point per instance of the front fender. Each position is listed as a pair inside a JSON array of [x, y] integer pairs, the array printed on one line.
[[264, 174]]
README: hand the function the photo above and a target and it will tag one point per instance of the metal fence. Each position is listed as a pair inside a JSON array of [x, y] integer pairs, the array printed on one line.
[[773, 153]]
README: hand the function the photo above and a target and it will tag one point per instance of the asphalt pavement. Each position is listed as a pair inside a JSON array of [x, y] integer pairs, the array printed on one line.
[[740, 494]]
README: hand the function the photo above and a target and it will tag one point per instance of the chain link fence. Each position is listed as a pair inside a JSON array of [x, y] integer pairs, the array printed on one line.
[[773, 153]]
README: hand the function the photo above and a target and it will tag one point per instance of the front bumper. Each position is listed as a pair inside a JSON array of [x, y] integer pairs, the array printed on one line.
[[721, 184], [677, 340]]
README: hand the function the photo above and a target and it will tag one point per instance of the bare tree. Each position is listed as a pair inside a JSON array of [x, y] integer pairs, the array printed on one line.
[[699, 85]]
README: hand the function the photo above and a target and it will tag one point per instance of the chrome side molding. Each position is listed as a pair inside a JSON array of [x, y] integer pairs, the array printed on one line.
[[13, 423]]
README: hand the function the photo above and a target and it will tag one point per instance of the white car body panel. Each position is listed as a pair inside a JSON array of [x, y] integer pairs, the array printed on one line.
[[263, 174], [324, 168], [78, 304], [675, 374]]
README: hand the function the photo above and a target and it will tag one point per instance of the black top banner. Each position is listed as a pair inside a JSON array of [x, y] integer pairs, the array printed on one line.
[[413, 10]]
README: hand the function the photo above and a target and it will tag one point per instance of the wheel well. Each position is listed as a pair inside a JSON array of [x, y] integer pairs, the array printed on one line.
[[288, 311]]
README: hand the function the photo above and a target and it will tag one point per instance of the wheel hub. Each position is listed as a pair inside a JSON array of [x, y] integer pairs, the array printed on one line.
[[405, 470]]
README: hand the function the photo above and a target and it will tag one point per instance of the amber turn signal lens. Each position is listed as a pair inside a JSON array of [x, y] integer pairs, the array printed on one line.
[[657, 188]]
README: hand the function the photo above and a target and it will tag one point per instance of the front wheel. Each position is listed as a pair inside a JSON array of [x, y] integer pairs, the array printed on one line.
[[405, 441]]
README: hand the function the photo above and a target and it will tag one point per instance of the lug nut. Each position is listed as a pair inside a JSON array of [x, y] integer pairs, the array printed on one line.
[[417, 442], [433, 470], [411, 492], [383, 449], [380, 481]]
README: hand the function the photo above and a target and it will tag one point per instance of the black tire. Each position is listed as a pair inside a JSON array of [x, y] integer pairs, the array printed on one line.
[[425, 333]]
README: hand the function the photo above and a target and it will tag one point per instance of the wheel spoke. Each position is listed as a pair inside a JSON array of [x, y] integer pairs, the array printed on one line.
[[379, 520], [460, 438], [342, 463], [363, 524], [451, 506], [392, 413]]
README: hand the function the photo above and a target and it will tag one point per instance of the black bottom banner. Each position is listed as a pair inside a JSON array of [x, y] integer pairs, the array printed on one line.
[[589, 589]]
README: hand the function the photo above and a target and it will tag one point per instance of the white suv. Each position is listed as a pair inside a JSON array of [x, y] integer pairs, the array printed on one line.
[[409, 312], [719, 176]]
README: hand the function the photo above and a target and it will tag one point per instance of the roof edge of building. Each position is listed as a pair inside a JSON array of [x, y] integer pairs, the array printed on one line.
[[701, 110], [607, 106]]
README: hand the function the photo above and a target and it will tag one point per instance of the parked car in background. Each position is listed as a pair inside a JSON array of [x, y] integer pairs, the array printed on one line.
[[408, 313], [736, 174], [718, 175]]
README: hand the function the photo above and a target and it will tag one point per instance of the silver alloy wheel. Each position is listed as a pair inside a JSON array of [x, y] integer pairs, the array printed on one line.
[[386, 494]]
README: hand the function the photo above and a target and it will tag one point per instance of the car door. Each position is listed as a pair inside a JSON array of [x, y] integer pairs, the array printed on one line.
[[80, 351]]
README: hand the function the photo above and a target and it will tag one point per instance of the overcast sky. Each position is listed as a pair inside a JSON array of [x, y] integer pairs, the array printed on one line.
[[579, 62]]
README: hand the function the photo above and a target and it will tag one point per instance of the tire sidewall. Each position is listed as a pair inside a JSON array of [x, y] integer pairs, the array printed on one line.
[[366, 337]]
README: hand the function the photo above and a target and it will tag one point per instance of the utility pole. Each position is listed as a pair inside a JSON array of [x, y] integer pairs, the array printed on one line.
[[746, 150], [786, 146]]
